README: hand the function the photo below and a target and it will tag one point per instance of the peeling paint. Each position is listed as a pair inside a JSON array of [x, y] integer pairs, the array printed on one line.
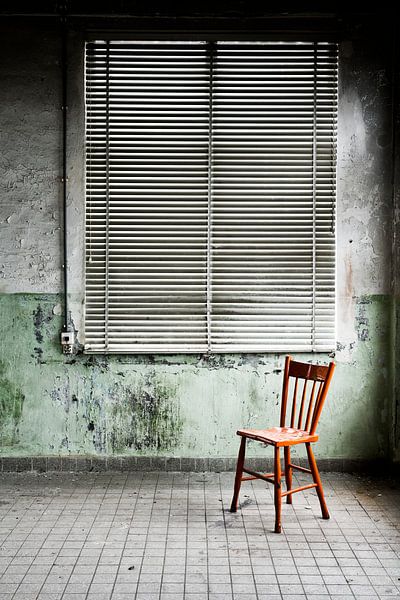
[[57, 309], [362, 321]]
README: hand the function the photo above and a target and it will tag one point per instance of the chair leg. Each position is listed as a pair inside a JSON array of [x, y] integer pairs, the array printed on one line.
[[288, 474], [317, 480], [239, 472], [277, 490]]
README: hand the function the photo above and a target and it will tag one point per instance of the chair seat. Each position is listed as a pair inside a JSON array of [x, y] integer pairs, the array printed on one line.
[[279, 436]]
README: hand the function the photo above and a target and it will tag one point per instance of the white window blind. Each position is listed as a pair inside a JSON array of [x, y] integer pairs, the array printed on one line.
[[210, 196]]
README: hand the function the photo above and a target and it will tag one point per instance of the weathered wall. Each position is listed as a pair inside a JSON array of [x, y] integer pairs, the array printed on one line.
[[30, 161], [185, 406]]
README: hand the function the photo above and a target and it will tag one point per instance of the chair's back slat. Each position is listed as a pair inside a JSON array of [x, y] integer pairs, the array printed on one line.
[[311, 401], [293, 416], [321, 398], [311, 404], [285, 390], [301, 409], [321, 387]]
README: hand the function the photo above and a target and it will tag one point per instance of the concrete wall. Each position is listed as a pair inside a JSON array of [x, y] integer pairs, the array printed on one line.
[[182, 406]]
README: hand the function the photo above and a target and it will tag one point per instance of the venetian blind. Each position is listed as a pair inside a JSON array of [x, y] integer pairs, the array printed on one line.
[[210, 191]]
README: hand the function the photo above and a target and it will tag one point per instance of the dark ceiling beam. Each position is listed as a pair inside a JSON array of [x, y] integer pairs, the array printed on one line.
[[216, 16]]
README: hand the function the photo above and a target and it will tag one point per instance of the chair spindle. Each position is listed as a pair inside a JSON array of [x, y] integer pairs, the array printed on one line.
[[310, 407], [303, 397], [293, 415]]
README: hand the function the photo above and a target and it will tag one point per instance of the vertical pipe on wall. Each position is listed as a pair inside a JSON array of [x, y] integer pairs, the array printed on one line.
[[63, 23]]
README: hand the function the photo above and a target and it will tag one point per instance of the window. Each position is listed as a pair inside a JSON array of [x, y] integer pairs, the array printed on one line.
[[210, 196]]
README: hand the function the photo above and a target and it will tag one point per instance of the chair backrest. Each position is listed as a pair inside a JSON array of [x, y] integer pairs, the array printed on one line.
[[302, 401]]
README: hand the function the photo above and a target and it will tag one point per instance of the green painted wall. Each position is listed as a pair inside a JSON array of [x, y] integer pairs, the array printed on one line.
[[186, 406]]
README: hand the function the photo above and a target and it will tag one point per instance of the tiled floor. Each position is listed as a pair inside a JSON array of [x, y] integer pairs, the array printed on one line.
[[169, 536]]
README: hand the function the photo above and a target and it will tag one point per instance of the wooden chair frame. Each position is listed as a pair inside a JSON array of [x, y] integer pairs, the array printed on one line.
[[308, 411]]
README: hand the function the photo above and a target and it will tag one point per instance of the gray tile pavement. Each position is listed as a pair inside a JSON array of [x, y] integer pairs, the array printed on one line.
[[169, 536]]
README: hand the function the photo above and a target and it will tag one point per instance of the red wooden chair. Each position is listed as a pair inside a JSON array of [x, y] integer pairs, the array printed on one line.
[[308, 410]]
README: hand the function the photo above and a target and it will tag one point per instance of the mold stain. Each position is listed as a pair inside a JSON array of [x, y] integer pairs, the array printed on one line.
[[40, 319], [11, 405], [147, 418], [39, 353], [96, 424]]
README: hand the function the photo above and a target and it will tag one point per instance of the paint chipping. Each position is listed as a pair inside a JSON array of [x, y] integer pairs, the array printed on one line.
[[362, 321], [57, 309]]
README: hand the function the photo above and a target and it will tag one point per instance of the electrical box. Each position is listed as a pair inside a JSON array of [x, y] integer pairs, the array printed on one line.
[[67, 341]]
